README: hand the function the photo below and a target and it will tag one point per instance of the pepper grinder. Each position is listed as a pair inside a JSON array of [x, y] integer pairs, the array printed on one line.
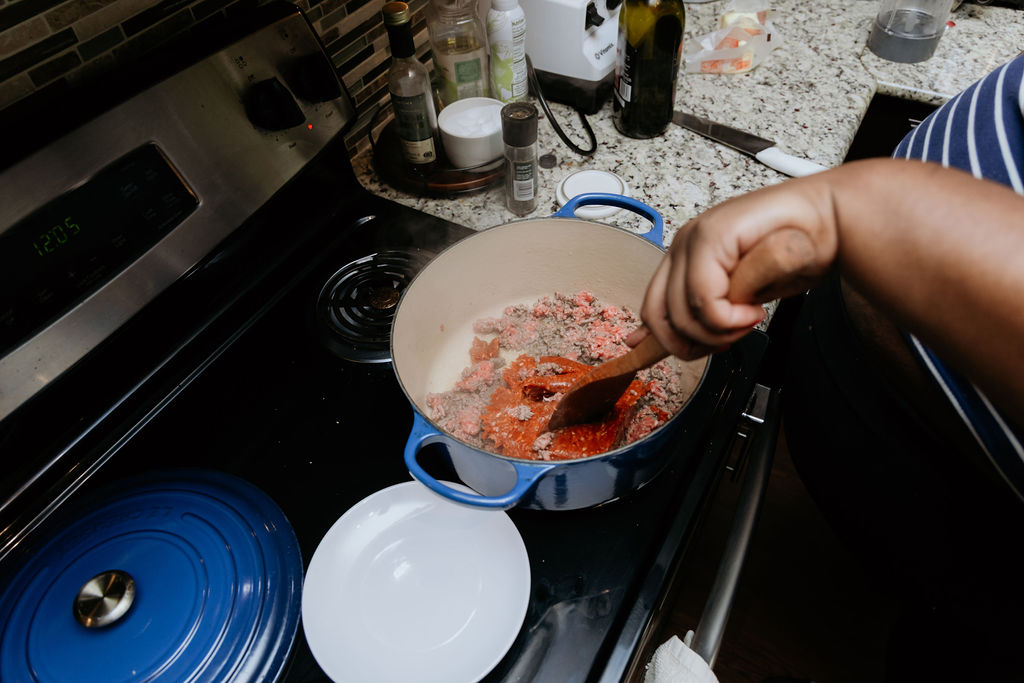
[[519, 133]]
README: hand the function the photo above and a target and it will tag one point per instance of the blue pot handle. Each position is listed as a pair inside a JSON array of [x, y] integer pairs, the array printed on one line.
[[656, 234], [423, 434]]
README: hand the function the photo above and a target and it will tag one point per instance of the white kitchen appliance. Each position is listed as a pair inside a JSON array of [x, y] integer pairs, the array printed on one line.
[[571, 44]]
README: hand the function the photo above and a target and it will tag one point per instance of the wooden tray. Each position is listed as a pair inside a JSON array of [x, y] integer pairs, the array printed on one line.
[[440, 180]]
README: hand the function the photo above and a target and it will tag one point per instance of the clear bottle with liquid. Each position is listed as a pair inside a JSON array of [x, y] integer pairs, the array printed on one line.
[[412, 95], [647, 66], [459, 44]]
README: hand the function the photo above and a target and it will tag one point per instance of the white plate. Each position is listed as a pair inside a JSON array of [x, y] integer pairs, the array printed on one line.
[[408, 586]]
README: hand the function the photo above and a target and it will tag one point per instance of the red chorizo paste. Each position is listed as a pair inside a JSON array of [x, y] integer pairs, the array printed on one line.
[[516, 419]]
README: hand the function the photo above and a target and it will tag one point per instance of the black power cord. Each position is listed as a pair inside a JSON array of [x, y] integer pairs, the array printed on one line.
[[535, 86]]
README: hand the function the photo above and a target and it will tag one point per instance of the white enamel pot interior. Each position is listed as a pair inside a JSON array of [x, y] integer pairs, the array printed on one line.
[[515, 263]]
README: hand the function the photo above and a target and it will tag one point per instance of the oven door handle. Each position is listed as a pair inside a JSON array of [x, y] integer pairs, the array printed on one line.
[[762, 416]]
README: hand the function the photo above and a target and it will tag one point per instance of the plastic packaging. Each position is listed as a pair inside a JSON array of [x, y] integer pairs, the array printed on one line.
[[459, 43], [519, 133], [745, 38], [647, 66], [506, 35]]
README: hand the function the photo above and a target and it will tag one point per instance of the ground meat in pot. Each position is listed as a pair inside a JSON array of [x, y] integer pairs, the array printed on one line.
[[503, 406]]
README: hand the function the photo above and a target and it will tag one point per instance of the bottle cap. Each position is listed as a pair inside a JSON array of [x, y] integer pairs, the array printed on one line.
[[519, 124], [582, 182], [504, 5], [395, 13]]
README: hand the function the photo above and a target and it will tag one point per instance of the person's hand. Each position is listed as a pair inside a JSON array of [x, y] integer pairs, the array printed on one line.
[[722, 265]]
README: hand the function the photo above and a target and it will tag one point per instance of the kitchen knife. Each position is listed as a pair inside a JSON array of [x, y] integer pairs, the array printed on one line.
[[763, 150]]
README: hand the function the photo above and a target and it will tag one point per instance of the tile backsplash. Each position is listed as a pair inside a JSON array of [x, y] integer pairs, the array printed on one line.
[[46, 42]]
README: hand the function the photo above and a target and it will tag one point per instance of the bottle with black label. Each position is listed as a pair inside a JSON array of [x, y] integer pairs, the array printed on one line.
[[412, 95], [647, 66], [519, 133]]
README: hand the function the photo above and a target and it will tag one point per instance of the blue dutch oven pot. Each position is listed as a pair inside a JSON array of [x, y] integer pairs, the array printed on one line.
[[519, 262]]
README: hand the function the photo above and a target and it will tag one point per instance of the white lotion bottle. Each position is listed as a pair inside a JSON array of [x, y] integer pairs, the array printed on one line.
[[506, 36]]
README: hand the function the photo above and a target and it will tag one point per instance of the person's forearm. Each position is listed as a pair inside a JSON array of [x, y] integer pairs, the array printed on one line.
[[943, 254]]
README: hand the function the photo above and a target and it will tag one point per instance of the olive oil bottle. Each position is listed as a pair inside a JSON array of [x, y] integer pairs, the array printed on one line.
[[647, 66], [459, 43]]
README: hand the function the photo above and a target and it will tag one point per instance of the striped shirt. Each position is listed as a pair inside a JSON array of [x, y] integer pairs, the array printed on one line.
[[981, 131]]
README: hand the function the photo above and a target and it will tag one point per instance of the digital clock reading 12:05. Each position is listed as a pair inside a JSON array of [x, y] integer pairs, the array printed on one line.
[[56, 237]]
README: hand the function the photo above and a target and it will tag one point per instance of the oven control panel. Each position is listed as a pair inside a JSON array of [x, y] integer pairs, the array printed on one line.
[[99, 222]]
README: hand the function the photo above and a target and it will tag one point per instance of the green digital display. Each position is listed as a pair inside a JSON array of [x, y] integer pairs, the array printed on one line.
[[63, 251], [56, 237]]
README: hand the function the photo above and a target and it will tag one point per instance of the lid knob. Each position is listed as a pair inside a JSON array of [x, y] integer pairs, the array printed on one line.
[[104, 599]]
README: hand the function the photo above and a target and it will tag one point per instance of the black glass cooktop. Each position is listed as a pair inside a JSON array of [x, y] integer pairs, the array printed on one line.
[[299, 398]]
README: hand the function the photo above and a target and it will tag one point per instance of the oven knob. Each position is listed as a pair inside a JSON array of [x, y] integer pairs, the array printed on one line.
[[593, 17], [312, 78], [104, 599], [269, 105]]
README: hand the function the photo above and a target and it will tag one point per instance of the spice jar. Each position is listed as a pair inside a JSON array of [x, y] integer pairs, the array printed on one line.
[[519, 133]]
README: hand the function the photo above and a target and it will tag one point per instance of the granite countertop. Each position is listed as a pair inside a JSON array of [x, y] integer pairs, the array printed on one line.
[[809, 97]]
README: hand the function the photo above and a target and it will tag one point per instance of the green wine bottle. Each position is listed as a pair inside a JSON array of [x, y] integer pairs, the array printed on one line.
[[647, 66]]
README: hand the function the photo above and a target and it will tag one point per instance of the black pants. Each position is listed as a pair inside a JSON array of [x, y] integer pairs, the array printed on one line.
[[930, 528]]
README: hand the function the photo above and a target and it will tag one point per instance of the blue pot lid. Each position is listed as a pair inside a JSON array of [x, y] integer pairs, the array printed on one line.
[[216, 571]]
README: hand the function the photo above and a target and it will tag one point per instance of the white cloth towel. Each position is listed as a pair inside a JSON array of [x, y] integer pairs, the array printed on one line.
[[674, 662]]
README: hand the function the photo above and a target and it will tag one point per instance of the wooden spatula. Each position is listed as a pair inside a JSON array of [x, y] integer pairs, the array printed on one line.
[[594, 394]]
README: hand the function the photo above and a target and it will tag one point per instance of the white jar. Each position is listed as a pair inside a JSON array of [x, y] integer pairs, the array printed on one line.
[[506, 36]]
